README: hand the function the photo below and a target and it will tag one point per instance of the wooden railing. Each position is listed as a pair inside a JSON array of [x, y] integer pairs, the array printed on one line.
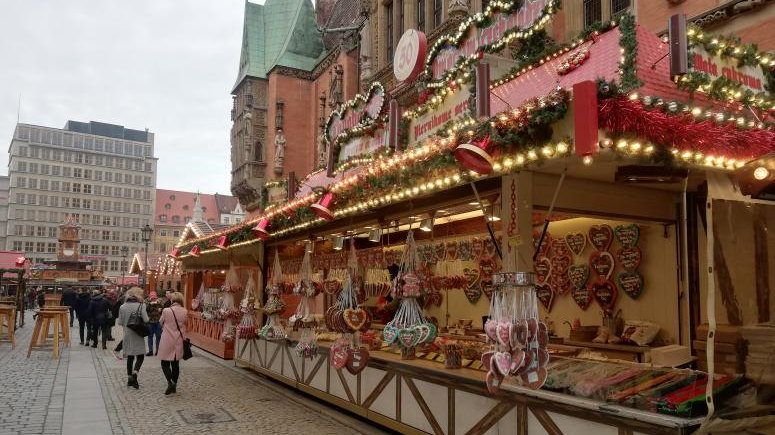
[[206, 335]]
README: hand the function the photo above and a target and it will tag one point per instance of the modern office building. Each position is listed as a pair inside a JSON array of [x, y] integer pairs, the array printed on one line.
[[102, 175], [4, 186]]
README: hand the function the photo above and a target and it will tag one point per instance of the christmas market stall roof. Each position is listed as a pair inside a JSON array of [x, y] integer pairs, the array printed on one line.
[[13, 260], [138, 262], [642, 116]]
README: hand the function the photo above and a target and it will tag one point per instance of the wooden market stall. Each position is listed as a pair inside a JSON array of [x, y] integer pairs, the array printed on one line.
[[617, 190]]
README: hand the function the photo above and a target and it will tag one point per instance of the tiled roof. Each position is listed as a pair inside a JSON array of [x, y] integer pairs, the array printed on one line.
[[279, 32], [226, 204], [172, 202], [8, 261], [345, 13]]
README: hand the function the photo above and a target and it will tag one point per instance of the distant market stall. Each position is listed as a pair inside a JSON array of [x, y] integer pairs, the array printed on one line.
[[551, 258]]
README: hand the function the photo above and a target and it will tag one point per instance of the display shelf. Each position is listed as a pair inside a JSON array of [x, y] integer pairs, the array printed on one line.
[[614, 351]]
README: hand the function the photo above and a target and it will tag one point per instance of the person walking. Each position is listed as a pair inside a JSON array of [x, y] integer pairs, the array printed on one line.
[[133, 312], [99, 310], [154, 307], [68, 300], [173, 332], [81, 306], [114, 306]]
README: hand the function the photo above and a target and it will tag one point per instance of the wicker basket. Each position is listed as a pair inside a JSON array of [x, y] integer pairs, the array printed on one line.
[[583, 333]]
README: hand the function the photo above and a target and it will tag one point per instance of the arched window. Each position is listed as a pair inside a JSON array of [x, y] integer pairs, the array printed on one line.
[[258, 151]]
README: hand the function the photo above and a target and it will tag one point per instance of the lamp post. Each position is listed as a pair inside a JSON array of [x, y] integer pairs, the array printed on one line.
[[124, 254], [145, 233]]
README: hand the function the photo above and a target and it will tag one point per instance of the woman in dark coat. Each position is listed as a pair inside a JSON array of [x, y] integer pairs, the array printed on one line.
[[99, 307], [81, 306]]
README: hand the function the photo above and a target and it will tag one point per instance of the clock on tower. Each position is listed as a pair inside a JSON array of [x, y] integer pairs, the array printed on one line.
[[69, 240]]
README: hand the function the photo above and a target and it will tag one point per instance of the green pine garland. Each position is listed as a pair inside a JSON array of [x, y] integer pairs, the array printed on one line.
[[629, 42]]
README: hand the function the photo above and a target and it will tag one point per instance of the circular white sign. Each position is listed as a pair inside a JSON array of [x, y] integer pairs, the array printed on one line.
[[410, 55]]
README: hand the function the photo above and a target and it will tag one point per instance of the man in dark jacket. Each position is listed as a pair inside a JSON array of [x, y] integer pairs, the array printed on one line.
[[81, 305], [68, 300], [99, 307]]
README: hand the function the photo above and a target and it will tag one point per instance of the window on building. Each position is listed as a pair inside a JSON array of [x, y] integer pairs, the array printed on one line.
[[87, 174], [135, 208], [175, 233], [17, 245], [163, 233], [147, 195], [31, 215], [77, 187], [187, 219], [438, 6], [593, 12], [21, 198], [389, 32], [618, 6], [21, 166], [40, 247], [226, 220], [175, 219], [28, 246], [67, 171], [19, 214], [18, 230], [52, 231], [421, 15], [104, 250], [29, 230], [87, 204], [51, 248], [109, 177], [77, 172], [45, 169], [33, 183], [21, 182], [105, 234], [135, 237], [40, 232], [44, 184], [78, 157]]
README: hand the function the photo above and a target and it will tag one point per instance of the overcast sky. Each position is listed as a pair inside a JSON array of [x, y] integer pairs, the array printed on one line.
[[167, 65]]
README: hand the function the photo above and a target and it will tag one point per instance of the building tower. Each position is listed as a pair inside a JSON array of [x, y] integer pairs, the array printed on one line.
[[69, 240]]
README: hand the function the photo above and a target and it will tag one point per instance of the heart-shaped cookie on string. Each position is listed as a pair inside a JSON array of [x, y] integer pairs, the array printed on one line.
[[560, 264], [408, 337], [578, 275], [440, 250], [545, 295], [357, 360], [602, 264], [601, 236], [464, 250], [451, 254], [339, 356], [559, 248], [582, 296], [355, 318], [631, 283], [489, 249], [487, 287], [542, 267], [627, 235], [560, 283], [605, 293], [629, 258], [477, 248], [390, 334], [576, 242], [544, 248]]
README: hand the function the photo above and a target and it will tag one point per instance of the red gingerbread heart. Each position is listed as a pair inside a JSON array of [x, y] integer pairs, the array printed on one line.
[[560, 264], [339, 356], [545, 295], [576, 242], [629, 258], [357, 360], [605, 293], [602, 263], [544, 248], [355, 318], [542, 267], [582, 296], [601, 236], [559, 247]]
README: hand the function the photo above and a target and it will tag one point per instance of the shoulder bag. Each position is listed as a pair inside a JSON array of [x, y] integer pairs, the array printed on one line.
[[137, 324], [186, 342]]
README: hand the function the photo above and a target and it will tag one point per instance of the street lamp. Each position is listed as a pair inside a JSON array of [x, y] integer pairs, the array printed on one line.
[[124, 254], [145, 233]]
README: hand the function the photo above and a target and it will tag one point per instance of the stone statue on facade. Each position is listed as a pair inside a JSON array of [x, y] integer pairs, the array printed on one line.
[[322, 151], [279, 151], [336, 92], [455, 7]]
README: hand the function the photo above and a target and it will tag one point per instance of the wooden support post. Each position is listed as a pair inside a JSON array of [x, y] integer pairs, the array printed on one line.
[[761, 263]]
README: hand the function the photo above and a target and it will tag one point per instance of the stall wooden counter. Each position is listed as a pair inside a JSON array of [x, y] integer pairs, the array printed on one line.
[[206, 335], [420, 396]]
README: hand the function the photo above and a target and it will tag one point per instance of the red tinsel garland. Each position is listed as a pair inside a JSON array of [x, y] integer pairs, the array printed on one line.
[[621, 115]]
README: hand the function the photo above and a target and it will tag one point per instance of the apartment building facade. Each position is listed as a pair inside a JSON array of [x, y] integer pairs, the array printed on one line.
[[103, 175]]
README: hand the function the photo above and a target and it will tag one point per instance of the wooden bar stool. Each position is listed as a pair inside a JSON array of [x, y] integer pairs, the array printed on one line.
[[8, 317], [40, 333], [64, 325]]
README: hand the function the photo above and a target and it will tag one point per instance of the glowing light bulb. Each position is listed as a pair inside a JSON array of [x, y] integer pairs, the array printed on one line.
[[587, 160], [761, 173]]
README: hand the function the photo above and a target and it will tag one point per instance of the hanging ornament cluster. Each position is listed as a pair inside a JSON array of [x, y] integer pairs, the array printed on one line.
[[630, 281], [228, 310], [409, 328], [349, 318], [273, 329], [247, 327], [307, 346], [519, 340], [602, 264], [573, 61]]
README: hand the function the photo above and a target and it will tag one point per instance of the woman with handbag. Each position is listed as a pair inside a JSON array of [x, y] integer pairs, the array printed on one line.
[[174, 344], [133, 317]]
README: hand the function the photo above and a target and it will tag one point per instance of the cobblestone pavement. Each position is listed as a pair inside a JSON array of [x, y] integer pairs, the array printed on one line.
[[213, 397]]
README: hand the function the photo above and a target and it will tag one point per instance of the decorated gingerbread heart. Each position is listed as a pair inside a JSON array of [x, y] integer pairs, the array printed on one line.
[[390, 334], [560, 283], [491, 329], [627, 235], [423, 332], [472, 289], [440, 251], [489, 249], [477, 248], [487, 359], [464, 250], [545, 295], [582, 296], [560, 264], [600, 236], [451, 254], [578, 275], [605, 293], [629, 258], [542, 267], [428, 254], [339, 357], [630, 283], [544, 248], [358, 360], [407, 337], [355, 318], [576, 242], [493, 381], [331, 287], [559, 247], [501, 362], [602, 263], [503, 332], [487, 287]]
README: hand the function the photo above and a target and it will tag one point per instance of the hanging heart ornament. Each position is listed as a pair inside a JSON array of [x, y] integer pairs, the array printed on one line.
[[629, 258], [355, 318], [602, 263], [357, 360], [630, 283], [339, 356], [627, 235], [576, 242], [579, 275], [582, 296], [545, 295], [542, 268], [559, 247], [600, 236], [605, 293]]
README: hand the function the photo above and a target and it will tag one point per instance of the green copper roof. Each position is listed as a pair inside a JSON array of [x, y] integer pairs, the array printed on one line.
[[279, 32]]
